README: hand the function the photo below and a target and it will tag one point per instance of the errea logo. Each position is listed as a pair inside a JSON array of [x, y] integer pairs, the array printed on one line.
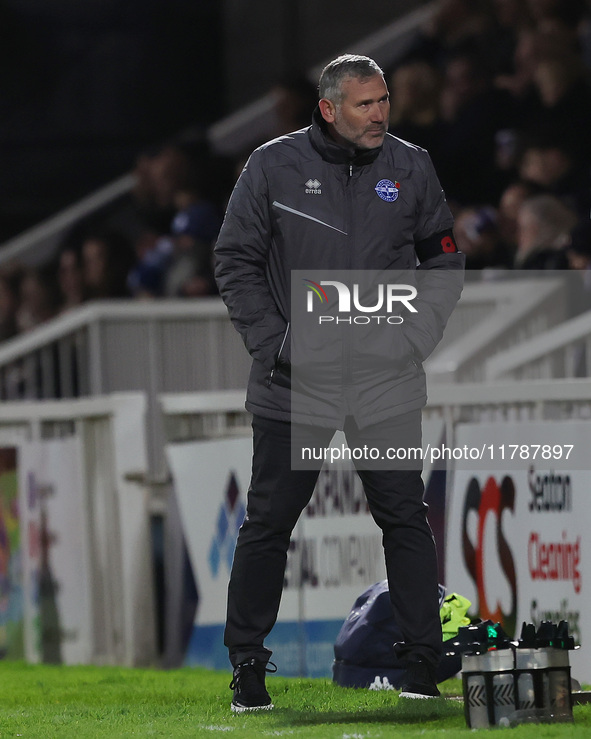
[[313, 187]]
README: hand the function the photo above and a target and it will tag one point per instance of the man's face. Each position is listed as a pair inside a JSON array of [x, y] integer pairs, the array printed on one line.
[[361, 118]]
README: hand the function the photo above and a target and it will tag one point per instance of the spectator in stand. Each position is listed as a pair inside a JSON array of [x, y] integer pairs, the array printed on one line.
[[533, 45], [510, 18], [564, 100], [415, 106], [107, 258], [519, 80], [477, 235], [190, 270], [177, 262], [37, 300], [507, 150], [567, 12], [510, 202], [152, 257], [553, 162], [473, 112], [144, 214], [70, 279], [9, 292], [452, 24], [549, 83], [158, 175], [543, 228]]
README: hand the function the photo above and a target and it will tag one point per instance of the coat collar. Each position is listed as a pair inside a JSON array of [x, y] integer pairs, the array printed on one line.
[[332, 152]]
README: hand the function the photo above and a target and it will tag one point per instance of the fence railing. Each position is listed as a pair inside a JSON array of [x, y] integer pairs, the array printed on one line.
[[105, 611], [187, 346], [492, 317], [199, 416], [562, 352], [106, 347], [114, 346]]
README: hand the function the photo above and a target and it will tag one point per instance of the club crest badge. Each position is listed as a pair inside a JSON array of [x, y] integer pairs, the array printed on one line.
[[388, 190]]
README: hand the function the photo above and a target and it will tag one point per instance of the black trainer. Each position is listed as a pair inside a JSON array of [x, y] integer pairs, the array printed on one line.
[[248, 684], [419, 681]]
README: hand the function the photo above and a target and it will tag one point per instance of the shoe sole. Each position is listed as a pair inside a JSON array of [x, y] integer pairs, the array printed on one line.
[[417, 696], [245, 709]]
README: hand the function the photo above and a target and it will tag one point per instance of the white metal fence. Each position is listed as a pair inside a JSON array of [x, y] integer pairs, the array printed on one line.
[[494, 316], [191, 416], [186, 346], [113, 544], [112, 346], [100, 348], [562, 352]]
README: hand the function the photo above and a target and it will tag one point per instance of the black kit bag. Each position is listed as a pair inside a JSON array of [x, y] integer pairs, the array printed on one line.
[[364, 648]]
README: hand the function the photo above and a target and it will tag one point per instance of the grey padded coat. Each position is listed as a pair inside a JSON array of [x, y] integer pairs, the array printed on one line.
[[303, 202]]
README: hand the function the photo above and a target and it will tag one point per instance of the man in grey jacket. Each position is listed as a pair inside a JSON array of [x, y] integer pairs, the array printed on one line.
[[340, 195]]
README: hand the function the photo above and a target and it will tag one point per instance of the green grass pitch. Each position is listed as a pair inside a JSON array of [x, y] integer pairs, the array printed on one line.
[[86, 702]]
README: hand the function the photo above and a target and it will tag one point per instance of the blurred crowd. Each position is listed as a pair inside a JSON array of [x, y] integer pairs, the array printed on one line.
[[498, 92]]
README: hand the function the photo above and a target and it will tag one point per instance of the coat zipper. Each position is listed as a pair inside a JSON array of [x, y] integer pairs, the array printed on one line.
[[270, 380], [347, 348]]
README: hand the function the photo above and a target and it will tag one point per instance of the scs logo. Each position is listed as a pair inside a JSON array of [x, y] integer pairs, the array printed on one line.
[[490, 500]]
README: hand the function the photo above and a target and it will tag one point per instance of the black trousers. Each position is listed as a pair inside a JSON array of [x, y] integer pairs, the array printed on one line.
[[276, 498]]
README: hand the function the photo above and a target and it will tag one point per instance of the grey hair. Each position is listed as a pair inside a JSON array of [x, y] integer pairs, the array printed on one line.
[[345, 66]]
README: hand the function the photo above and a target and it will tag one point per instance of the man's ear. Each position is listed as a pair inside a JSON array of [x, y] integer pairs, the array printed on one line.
[[327, 110]]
